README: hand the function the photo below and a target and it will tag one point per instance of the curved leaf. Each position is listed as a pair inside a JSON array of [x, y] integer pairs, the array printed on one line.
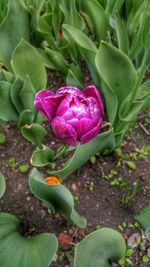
[[2, 185], [42, 157], [122, 36], [103, 143], [27, 61], [143, 217], [58, 197], [34, 133], [7, 109], [12, 29], [116, 70], [15, 250], [98, 18], [86, 47], [99, 247]]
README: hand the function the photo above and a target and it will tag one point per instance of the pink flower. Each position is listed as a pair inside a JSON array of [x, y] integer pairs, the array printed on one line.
[[74, 115]]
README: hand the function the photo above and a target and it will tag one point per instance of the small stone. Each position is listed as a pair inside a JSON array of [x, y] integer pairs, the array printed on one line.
[[74, 187], [133, 240]]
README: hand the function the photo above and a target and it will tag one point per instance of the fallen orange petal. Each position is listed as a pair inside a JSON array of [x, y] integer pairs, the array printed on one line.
[[52, 180]]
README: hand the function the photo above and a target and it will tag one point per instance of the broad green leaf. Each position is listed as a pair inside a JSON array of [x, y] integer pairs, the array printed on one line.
[[72, 79], [97, 17], [6, 76], [58, 197], [12, 29], [86, 47], [27, 94], [103, 143], [15, 91], [100, 247], [42, 157], [16, 250], [145, 35], [113, 6], [143, 217], [72, 16], [116, 70], [26, 117], [82, 40], [2, 185], [111, 101], [27, 61], [122, 36], [34, 133], [7, 109], [55, 60]]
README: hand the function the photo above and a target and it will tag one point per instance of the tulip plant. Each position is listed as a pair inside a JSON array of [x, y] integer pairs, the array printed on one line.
[[112, 39]]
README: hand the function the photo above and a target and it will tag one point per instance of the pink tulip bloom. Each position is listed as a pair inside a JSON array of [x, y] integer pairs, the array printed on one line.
[[74, 115]]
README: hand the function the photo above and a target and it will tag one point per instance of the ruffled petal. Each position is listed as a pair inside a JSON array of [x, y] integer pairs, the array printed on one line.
[[47, 102], [72, 90], [64, 131], [81, 126], [91, 90], [92, 133]]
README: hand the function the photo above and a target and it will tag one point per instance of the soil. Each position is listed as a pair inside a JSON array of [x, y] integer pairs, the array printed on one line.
[[94, 186]]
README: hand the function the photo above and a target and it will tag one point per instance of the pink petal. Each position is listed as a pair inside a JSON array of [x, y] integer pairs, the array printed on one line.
[[64, 131], [91, 90], [72, 90], [81, 126], [91, 134], [47, 102]]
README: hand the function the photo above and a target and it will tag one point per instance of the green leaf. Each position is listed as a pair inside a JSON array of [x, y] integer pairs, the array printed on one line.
[[15, 91], [15, 250], [27, 61], [86, 47], [145, 258], [102, 143], [82, 40], [97, 17], [72, 79], [12, 29], [146, 150], [122, 36], [143, 217], [7, 109], [69, 7], [36, 4], [131, 164], [55, 60], [34, 133], [116, 70], [2, 185], [99, 247], [27, 94], [26, 117], [42, 157], [58, 197]]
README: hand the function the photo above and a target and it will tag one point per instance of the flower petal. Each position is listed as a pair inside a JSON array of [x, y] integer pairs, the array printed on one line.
[[47, 102], [91, 134], [72, 90], [81, 126], [64, 131], [91, 90]]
